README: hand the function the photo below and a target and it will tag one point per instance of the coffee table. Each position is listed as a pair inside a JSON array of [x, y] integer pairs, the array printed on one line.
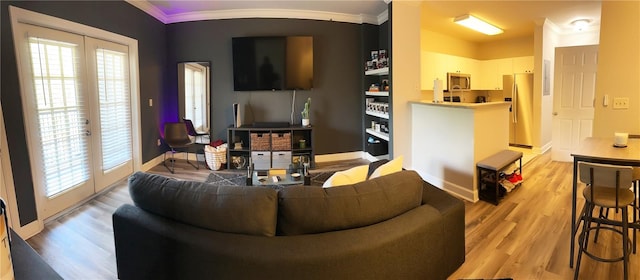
[[285, 179]]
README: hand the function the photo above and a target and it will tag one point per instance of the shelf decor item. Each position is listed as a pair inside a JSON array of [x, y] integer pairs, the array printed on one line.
[[305, 112]]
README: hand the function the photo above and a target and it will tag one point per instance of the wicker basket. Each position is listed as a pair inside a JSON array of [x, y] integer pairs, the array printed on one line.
[[260, 142], [281, 141], [215, 158]]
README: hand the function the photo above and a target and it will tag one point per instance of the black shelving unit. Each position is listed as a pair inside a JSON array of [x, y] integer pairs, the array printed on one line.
[[243, 134]]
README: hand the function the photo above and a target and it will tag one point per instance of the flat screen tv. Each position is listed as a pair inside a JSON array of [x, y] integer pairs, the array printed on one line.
[[272, 63]]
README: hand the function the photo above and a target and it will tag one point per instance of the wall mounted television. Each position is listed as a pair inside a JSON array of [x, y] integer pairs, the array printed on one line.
[[272, 63]]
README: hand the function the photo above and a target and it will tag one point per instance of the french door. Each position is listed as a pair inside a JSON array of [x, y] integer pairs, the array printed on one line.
[[76, 104]]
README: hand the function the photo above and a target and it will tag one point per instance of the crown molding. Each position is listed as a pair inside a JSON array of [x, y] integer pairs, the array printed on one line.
[[383, 17], [256, 13], [150, 9]]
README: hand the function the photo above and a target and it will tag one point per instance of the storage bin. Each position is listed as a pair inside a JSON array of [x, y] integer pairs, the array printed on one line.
[[378, 149], [261, 160], [215, 158], [281, 160], [281, 141], [260, 141]]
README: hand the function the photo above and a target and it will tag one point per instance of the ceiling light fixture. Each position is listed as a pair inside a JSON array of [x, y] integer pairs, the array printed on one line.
[[580, 24], [477, 24]]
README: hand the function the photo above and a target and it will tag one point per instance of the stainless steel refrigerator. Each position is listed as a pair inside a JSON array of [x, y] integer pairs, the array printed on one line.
[[518, 88]]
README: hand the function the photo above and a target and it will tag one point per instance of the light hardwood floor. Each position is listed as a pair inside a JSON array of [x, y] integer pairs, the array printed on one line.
[[525, 237]]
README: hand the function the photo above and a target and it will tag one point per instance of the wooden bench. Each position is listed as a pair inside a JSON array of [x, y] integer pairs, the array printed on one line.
[[489, 170]]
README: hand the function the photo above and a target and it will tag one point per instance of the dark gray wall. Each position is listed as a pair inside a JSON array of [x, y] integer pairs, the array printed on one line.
[[115, 16], [336, 99]]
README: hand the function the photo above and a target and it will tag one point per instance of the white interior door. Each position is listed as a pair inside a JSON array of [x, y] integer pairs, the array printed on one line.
[[573, 100]]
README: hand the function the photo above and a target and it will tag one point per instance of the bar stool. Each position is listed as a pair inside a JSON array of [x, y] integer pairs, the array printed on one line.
[[608, 186]]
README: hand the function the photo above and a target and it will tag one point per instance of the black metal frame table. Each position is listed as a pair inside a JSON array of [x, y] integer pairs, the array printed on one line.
[[600, 150]]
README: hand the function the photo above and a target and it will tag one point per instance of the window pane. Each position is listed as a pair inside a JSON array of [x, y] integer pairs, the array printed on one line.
[[61, 114], [115, 119]]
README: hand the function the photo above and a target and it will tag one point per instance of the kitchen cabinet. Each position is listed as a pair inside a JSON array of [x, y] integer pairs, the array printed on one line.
[[433, 67], [523, 64], [485, 74], [437, 65], [492, 72], [458, 64]]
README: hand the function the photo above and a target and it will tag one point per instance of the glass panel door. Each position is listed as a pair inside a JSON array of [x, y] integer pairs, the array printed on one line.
[[108, 65], [57, 115]]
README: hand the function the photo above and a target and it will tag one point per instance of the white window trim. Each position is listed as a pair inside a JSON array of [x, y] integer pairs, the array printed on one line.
[[18, 15]]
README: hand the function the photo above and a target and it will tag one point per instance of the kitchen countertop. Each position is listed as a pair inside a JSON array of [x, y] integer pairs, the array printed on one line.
[[460, 104]]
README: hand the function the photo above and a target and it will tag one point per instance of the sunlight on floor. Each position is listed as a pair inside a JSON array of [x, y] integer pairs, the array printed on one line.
[[527, 154]]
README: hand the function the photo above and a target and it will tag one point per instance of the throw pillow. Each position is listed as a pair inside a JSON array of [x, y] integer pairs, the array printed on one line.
[[374, 165], [347, 177], [392, 166]]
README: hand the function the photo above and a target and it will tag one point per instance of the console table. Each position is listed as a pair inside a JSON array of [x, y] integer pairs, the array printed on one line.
[[275, 146]]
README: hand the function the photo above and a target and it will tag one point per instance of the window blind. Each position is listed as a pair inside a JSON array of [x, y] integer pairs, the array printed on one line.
[[115, 117], [62, 114]]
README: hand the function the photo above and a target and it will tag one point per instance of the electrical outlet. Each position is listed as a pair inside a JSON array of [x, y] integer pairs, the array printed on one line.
[[159, 143], [621, 103]]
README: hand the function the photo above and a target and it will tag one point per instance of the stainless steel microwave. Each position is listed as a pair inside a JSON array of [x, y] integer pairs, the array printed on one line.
[[458, 82]]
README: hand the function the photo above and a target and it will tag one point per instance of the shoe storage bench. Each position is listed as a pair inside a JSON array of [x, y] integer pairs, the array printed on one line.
[[489, 170]]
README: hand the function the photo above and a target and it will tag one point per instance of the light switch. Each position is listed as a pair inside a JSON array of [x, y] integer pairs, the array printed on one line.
[[150, 102]]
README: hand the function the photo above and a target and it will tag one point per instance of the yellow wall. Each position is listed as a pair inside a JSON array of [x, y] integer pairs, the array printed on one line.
[[405, 73], [618, 68], [506, 48], [440, 43]]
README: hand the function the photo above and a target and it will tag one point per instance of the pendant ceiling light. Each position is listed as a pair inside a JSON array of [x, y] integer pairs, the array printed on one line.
[[477, 24]]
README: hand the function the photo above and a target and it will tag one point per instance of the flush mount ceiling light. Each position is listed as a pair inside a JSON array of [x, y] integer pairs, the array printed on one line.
[[477, 24], [580, 24]]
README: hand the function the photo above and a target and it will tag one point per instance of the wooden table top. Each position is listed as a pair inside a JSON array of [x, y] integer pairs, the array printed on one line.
[[601, 148]]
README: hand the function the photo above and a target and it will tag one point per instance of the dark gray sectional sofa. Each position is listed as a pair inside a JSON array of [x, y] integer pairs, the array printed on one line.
[[392, 227]]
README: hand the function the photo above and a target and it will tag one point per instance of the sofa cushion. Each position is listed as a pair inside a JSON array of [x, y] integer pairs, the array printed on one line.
[[232, 209], [306, 210]]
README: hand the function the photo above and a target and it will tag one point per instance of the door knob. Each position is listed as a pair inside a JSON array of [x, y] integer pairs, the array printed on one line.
[[555, 113]]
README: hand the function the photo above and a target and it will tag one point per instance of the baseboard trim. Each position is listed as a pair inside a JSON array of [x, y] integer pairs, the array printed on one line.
[[152, 163], [453, 189], [543, 149], [339, 156]]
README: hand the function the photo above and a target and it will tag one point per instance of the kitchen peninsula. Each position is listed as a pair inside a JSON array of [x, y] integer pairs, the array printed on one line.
[[448, 140]]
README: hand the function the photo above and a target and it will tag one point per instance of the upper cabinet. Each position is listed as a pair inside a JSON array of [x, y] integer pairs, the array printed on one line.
[[485, 74], [433, 67], [492, 71], [523, 64], [437, 65]]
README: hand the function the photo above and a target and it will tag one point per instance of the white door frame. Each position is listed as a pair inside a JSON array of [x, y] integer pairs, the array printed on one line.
[[19, 15]]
